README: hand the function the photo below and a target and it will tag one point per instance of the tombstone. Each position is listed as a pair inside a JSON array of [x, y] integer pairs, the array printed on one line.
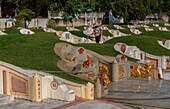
[[66, 35]]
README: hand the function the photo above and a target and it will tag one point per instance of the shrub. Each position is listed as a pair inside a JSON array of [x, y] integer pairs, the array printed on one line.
[[51, 24]]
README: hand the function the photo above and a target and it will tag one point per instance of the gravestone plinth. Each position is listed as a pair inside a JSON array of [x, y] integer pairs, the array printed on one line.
[[5, 99]]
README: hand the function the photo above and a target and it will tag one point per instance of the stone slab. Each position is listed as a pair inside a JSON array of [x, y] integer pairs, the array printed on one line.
[[6, 99]]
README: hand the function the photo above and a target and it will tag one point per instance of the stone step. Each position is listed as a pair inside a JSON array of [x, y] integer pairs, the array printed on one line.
[[5, 99]]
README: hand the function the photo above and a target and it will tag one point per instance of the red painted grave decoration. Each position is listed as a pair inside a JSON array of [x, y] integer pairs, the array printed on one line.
[[39, 88], [123, 57], [74, 59], [54, 85], [80, 50], [85, 64], [131, 67], [92, 90]]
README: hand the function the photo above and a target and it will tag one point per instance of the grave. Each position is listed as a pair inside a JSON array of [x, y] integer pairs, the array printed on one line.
[[166, 24], [67, 36], [26, 31], [165, 43], [135, 31], [156, 25], [31, 86], [161, 62], [145, 26], [117, 33], [2, 33], [88, 31], [49, 30], [149, 29], [103, 27], [71, 29], [163, 29], [118, 27]]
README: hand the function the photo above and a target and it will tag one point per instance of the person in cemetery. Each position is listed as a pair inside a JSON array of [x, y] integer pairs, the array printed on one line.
[[97, 32]]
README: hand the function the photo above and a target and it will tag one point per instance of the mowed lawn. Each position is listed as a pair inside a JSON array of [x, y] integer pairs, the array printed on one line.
[[37, 51]]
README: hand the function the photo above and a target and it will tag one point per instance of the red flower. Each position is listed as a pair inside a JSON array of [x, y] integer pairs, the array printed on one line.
[[131, 66]]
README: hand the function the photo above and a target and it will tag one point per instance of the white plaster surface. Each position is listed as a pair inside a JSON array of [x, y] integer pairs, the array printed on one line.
[[145, 26], [135, 31], [2, 33], [49, 30], [166, 24], [117, 33], [166, 45], [156, 25], [149, 29], [118, 27], [26, 31], [71, 29], [163, 29]]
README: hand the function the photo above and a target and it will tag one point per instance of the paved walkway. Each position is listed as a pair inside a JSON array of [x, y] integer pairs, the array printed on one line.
[[56, 104], [154, 93]]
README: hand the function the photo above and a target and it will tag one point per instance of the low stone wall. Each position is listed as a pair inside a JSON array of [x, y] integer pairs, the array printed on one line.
[[38, 22]]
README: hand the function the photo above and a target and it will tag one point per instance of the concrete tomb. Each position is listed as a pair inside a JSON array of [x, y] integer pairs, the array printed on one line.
[[163, 29], [145, 26], [49, 30], [165, 43], [149, 29], [166, 24], [71, 29], [118, 27], [103, 27], [31, 86], [131, 26], [20, 28], [88, 31], [162, 62], [135, 31], [131, 51], [134, 26], [2, 33], [77, 59], [117, 33], [26, 31], [67, 36], [156, 25]]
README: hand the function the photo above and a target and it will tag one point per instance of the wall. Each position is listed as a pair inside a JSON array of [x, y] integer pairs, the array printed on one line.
[[38, 22], [87, 18], [155, 17], [2, 22]]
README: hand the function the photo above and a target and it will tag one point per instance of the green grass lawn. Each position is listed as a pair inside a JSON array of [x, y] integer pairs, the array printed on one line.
[[60, 28], [37, 51]]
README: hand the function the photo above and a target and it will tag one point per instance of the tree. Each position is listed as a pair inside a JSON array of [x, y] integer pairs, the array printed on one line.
[[120, 8], [131, 9], [25, 15]]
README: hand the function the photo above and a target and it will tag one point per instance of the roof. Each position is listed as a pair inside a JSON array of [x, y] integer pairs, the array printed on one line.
[[10, 19]]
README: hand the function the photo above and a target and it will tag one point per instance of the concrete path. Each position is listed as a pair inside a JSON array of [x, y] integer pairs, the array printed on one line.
[[154, 93], [56, 104]]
